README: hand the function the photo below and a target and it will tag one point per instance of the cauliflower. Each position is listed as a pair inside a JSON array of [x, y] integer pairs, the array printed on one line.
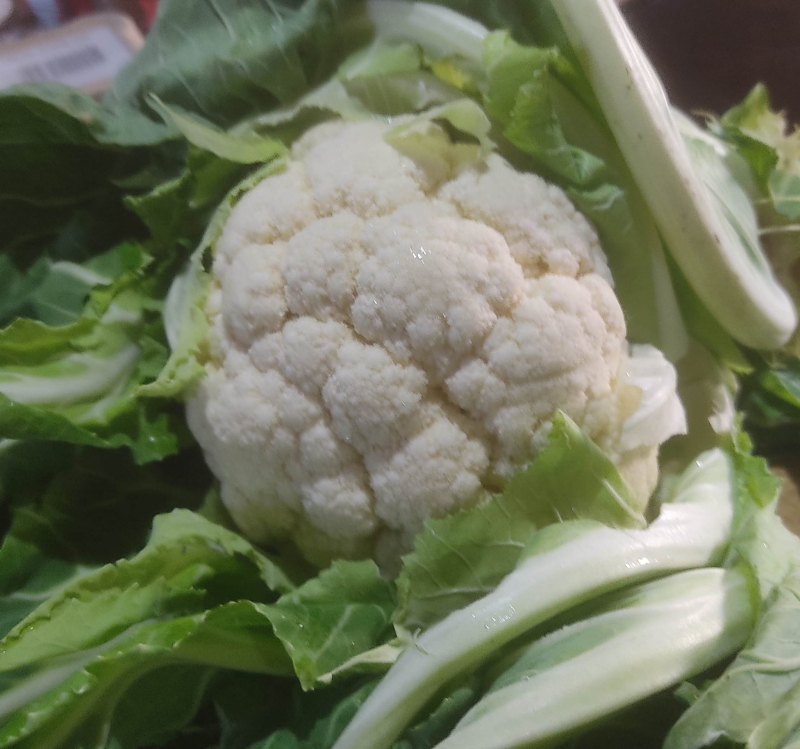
[[392, 336]]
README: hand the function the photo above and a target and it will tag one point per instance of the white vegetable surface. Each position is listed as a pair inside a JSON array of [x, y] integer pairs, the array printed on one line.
[[390, 336]]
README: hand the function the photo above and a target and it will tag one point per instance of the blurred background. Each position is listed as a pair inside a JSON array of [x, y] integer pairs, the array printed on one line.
[[710, 53]]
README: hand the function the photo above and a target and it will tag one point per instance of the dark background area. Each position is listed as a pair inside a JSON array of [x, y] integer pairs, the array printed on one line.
[[710, 53]]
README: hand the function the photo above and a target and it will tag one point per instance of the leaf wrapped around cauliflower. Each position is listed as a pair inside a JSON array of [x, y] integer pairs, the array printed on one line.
[[394, 323]]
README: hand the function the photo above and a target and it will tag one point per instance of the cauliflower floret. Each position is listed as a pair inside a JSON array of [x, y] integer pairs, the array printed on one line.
[[476, 279], [389, 336]]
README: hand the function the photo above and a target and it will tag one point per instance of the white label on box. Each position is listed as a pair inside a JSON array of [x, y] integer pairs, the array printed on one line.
[[80, 59]]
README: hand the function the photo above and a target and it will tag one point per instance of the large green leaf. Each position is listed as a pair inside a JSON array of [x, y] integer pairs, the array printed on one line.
[[78, 509], [224, 62], [94, 702], [757, 131], [239, 148], [55, 291], [174, 573], [763, 138], [781, 728], [50, 112], [29, 577], [196, 594], [60, 150], [344, 611], [79, 651], [177, 210]]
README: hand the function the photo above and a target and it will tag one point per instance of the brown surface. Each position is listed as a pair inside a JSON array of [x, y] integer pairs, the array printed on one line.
[[789, 505], [710, 53]]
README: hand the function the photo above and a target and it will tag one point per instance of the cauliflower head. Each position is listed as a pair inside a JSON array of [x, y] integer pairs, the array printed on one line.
[[392, 335]]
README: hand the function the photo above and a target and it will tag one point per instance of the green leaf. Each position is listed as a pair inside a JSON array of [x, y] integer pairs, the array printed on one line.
[[29, 577], [535, 128], [705, 327], [242, 148], [343, 612], [750, 689], [770, 400], [149, 437], [563, 566], [158, 704], [377, 660], [539, 98], [59, 146], [81, 650], [190, 596], [167, 577], [61, 114], [725, 180], [16, 287], [226, 62], [573, 478], [783, 382], [526, 95], [78, 382], [385, 79], [458, 559], [184, 317], [89, 706], [178, 210], [77, 509], [418, 137], [698, 222], [784, 189], [755, 130], [781, 728], [55, 292], [164, 209], [757, 486], [187, 328]]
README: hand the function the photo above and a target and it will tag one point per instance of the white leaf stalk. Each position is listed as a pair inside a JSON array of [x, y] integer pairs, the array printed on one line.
[[651, 638], [724, 271], [437, 29], [566, 565]]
